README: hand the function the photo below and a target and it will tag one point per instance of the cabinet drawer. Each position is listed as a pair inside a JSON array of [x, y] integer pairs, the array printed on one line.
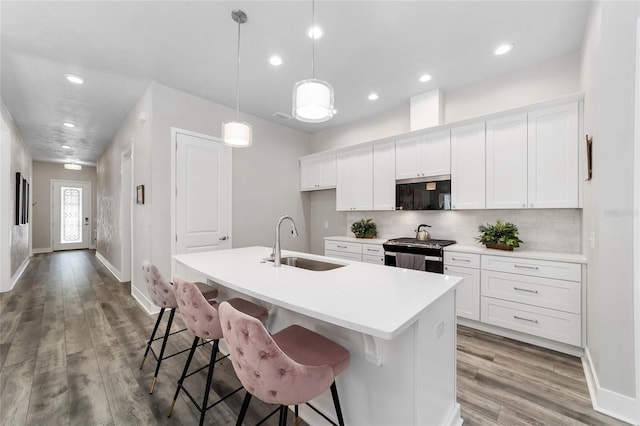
[[343, 246], [373, 249], [343, 255], [550, 324], [466, 260], [536, 268], [543, 292], [373, 258]]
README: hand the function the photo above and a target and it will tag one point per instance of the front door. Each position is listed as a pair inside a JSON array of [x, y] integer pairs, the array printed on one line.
[[203, 188], [71, 214]]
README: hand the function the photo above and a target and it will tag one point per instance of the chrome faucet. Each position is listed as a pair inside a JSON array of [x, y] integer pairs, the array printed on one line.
[[276, 247]]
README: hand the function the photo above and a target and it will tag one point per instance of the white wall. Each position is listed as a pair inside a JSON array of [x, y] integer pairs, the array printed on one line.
[[41, 190], [608, 80], [19, 236], [265, 179]]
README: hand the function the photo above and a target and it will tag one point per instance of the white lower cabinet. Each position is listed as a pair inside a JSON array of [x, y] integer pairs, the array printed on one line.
[[361, 252], [541, 298]]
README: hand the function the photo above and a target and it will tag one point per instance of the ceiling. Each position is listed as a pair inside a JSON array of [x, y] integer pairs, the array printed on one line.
[[368, 46]]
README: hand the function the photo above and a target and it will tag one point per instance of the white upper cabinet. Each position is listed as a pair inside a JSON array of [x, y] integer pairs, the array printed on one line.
[[468, 167], [318, 172], [354, 186], [553, 157], [426, 155], [384, 180], [507, 162]]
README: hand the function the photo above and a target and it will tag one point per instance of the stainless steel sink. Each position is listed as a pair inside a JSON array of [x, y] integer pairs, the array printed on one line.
[[310, 264]]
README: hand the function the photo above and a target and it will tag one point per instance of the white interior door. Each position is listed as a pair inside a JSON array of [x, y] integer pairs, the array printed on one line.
[[71, 214], [203, 188]]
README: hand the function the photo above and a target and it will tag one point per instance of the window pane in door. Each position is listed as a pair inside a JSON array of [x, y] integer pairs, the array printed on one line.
[[71, 215]]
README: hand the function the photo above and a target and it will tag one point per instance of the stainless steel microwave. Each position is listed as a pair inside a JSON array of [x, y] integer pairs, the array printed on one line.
[[430, 193]]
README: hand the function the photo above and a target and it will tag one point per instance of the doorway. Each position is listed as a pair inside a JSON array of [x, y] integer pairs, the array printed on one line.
[[70, 215]]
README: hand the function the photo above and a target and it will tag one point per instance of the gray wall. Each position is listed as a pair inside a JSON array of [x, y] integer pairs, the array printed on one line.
[[608, 79], [41, 189], [19, 240]]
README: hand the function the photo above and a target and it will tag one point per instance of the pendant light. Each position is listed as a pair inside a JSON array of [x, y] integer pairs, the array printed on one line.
[[237, 133], [313, 98]]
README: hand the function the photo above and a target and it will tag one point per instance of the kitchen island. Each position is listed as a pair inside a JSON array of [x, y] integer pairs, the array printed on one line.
[[398, 324]]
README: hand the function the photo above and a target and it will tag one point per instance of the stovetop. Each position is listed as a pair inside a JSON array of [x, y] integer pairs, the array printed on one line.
[[418, 244]]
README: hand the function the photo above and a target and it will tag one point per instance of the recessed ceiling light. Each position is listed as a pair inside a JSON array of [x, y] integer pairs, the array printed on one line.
[[425, 77], [66, 147], [275, 60], [373, 96], [74, 79], [314, 32], [68, 124], [503, 48]]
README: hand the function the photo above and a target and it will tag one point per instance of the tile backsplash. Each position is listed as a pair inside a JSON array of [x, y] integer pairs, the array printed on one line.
[[557, 230]]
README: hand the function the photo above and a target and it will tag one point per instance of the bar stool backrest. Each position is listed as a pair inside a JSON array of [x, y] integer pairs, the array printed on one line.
[[263, 368], [160, 291], [198, 315]]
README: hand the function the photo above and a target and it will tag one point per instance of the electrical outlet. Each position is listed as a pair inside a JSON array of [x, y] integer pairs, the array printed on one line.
[[440, 329], [592, 240], [326, 224]]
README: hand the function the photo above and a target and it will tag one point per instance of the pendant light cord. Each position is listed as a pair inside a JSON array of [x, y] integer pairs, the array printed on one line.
[[313, 38], [238, 76]]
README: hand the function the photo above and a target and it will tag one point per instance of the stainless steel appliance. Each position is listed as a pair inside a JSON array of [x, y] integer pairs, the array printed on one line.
[[426, 193], [430, 249]]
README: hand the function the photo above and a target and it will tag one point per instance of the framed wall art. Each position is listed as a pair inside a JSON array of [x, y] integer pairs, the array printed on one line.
[[140, 194]]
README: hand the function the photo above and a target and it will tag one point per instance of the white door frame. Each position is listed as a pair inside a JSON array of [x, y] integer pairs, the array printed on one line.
[[52, 211], [636, 225], [126, 189], [174, 146]]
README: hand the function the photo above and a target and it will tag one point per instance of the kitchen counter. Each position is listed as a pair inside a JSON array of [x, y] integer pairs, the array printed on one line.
[[518, 253], [399, 326], [357, 240]]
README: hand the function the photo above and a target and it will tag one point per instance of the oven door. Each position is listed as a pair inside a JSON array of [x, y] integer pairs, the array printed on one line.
[[431, 263]]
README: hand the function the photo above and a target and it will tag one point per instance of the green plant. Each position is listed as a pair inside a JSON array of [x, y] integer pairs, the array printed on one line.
[[500, 233], [364, 228]]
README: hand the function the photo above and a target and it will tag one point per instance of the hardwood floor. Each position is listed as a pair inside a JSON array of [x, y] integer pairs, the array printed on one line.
[[72, 338]]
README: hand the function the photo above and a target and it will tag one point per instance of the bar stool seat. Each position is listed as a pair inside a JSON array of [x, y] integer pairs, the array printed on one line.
[[291, 367], [162, 295], [202, 319]]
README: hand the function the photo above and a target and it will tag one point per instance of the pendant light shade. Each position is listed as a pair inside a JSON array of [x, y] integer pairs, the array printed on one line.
[[312, 98], [312, 101], [237, 133]]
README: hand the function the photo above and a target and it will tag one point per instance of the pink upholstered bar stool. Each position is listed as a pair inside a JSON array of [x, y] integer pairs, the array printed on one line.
[[201, 318], [291, 367], [162, 295]]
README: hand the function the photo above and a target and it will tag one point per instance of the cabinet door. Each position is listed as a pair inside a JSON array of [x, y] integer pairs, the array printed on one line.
[[435, 155], [553, 157], [384, 180], [354, 186], [507, 163], [467, 293], [309, 174], [468, 167], [327, 172], [408, 158]]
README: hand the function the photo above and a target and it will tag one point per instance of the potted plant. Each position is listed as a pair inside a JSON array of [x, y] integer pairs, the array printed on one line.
[[364, 228], [502, 236]]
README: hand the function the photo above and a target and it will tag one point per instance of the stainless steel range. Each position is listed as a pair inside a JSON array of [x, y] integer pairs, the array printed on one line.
[[430, 249]]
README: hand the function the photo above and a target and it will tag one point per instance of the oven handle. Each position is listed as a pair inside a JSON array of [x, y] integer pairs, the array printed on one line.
[[393, 253]]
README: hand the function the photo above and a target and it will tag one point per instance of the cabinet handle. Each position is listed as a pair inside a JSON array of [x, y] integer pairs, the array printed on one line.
[[525, 289], [526, 319], [531, 205], [339, 246], [525, 267], [460, 259], [373, 250], [524, 204]]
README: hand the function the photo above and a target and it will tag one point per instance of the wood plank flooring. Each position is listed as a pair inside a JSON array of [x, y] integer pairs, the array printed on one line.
[[72, 338]]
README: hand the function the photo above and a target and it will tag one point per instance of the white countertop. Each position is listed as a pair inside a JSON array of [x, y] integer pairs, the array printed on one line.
[[357, 240], [518, 253], [373, 299]]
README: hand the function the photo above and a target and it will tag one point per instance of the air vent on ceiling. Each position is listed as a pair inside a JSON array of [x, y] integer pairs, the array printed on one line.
[[282, 115]]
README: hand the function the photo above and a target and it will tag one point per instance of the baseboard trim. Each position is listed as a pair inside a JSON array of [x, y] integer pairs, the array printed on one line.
[[16, 277], [144, 302], [41, 250], [114, 271], [605, 401]]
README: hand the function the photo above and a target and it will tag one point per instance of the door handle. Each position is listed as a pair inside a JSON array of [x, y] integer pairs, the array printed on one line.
[[223, 238]]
